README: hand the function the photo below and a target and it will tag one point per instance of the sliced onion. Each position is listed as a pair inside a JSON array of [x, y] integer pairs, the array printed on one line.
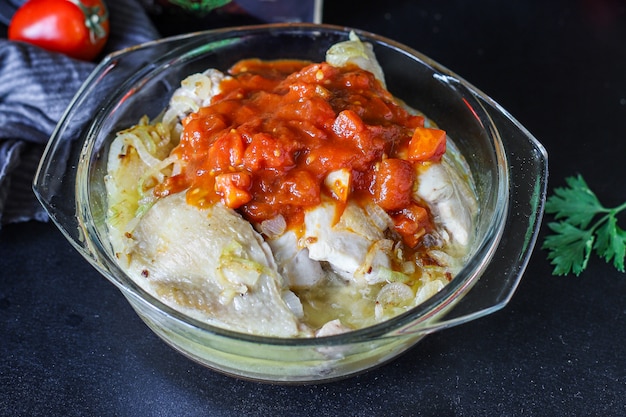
[[395, 294], [379, 216], [293, 303], [273, 227]]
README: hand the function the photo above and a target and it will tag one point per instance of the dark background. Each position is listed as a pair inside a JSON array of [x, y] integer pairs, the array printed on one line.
[[70, 345]]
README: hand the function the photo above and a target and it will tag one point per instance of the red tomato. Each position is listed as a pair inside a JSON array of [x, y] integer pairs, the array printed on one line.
[[393, 184], [77, 28], [412, 223]]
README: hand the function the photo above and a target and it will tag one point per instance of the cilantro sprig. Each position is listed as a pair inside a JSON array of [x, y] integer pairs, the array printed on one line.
[[584, 225]]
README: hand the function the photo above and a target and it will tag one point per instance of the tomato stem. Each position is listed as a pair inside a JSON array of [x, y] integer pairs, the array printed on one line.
[[94, 17]]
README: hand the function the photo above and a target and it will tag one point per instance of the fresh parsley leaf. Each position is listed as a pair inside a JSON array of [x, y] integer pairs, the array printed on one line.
[[576, 204], [611, 243], [584, 226], [570, 248]]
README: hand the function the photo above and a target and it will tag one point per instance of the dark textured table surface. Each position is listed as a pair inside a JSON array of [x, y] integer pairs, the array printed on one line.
[[70, 345]]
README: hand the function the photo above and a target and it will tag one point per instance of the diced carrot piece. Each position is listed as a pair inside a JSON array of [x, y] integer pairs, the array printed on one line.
[[427, 144]]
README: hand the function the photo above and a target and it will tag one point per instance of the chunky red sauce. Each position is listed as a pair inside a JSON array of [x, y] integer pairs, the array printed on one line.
[[266, 143]]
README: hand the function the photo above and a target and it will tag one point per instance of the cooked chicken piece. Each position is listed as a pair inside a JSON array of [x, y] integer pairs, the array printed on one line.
[[450, 199], [294, 262], [332, 328], [355, 246], [212, 265], [137, 157]]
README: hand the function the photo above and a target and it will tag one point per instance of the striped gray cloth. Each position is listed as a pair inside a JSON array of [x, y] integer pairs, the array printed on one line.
[[35, 88]]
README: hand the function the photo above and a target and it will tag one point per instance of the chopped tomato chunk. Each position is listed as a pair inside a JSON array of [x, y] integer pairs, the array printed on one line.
[[394, 183], [233, 188], [427, 144], [225, 153], [347, 124], [283, 135], [264, 151], [412, 223]]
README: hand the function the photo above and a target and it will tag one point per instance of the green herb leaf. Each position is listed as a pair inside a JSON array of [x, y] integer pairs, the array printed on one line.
[[611, 243], [585, 226], [576, 204], [200, 7], [569, 248]]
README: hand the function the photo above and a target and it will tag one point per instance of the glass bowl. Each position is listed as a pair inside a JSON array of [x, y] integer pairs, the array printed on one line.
[[508, 164]]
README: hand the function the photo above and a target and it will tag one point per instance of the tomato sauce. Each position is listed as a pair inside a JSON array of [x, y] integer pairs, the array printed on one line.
[[267, 142]]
